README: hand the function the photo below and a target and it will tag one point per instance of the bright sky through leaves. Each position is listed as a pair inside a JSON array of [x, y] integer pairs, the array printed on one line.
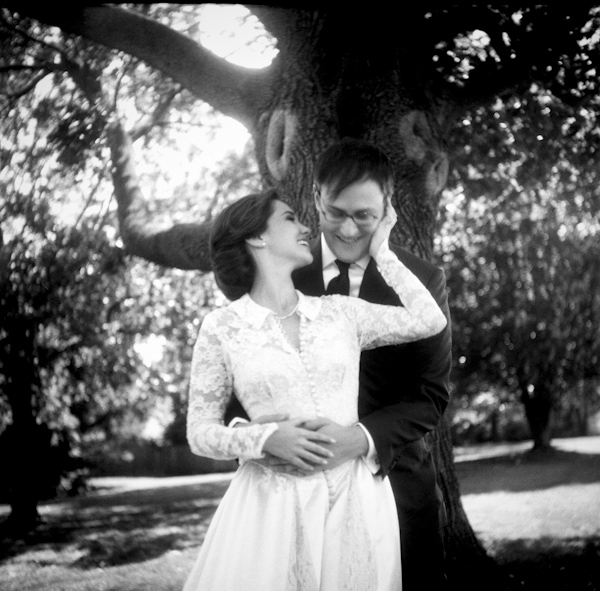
[[234, 33]]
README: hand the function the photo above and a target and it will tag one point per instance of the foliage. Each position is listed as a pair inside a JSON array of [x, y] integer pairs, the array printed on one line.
[[491, 415], [76, 310], [520, 242]]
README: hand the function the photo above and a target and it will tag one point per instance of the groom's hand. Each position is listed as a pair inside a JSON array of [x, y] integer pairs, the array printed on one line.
[[350, 442], [279, 464]]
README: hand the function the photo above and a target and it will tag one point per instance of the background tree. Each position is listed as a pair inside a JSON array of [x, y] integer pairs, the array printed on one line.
[[523, 265], [74, 309], [404, 84], [65, 355]]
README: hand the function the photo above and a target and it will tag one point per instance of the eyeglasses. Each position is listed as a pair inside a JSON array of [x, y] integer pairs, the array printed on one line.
[[362, 219]]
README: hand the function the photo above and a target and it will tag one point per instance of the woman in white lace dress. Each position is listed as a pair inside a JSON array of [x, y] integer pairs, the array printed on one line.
[[284, 353]]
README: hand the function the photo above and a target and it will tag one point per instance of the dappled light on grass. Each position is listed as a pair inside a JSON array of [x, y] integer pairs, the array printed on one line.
[[121, 528], [123, 548], [537, 515]]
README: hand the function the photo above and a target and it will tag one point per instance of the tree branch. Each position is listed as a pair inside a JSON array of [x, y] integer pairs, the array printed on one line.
[[26, 88], [154, 118], [183, 246], [233, 90]]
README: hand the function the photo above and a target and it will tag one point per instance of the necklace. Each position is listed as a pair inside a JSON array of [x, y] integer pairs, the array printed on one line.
[[279, 318]]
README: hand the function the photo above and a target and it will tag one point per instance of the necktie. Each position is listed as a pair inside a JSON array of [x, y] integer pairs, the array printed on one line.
[[341, 283]]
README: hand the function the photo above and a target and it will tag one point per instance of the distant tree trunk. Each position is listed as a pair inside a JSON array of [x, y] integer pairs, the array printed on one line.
[[582, 410], [538, 410], [22, 450]]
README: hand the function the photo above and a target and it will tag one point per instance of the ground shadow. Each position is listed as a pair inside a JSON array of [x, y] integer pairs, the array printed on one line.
[[115, 528], [565, 564], [528, 470], [125, 527]]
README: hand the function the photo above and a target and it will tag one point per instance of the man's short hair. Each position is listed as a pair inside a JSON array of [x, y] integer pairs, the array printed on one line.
[[349, 161]]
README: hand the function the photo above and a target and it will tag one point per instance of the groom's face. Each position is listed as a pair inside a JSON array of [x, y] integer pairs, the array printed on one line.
[[349, 219]]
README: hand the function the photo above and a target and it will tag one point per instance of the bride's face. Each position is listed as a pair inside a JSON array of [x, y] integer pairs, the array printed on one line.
[[286, 237]]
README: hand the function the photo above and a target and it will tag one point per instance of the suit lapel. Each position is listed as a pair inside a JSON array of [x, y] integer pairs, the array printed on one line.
[[374, 288]]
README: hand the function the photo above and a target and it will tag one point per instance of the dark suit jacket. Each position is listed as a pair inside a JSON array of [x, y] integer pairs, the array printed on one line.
[[404, 389]]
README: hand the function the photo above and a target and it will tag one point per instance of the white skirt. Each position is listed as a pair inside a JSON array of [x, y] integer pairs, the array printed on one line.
[[330, 531]]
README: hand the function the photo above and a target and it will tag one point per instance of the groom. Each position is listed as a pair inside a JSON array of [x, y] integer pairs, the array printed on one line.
[[403, 388]]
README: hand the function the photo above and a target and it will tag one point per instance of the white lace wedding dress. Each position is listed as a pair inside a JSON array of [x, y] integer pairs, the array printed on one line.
[[272, 531]]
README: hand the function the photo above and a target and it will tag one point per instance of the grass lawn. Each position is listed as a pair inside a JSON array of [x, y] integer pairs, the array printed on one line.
[[539, 516]]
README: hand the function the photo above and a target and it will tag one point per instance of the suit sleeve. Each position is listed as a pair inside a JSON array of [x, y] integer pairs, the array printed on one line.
[[234, 410], [415, 402]]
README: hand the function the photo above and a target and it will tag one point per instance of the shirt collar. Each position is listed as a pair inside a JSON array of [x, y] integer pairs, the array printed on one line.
[[328, 258], [256, 315]]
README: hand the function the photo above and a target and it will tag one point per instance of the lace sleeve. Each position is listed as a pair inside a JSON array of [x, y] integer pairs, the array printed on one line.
[[419, 316], [211, 387]]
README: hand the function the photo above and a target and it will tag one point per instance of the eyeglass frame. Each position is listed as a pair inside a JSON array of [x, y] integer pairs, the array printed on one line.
[[343, 215]]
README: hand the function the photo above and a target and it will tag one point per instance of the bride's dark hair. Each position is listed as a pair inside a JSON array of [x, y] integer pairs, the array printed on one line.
[[232, 263]]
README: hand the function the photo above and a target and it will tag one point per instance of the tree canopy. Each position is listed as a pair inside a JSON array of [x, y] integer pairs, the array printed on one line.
[[406, 83]]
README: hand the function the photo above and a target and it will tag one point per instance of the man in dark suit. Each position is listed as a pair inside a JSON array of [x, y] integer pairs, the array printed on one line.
[[403, 388]]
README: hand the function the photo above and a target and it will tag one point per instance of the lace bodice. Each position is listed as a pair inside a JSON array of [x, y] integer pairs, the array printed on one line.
[[241, 348]]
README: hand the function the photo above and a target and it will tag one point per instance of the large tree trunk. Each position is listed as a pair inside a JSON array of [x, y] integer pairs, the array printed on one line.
[[363, 101], [327, 91], [467, 561]]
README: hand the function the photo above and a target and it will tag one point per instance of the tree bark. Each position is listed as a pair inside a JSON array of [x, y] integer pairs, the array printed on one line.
[[467, 561]]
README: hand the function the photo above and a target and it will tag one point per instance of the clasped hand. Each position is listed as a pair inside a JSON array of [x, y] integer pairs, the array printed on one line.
[[295, 445], [305, 446]]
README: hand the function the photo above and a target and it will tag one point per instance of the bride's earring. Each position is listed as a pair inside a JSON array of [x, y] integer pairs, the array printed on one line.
[[256, 242]]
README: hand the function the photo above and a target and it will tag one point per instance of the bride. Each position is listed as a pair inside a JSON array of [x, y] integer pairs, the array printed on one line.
[[284, 353]]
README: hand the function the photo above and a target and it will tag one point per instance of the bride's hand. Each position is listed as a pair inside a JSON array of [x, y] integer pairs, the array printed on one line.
[[382, 232], [298, 446]]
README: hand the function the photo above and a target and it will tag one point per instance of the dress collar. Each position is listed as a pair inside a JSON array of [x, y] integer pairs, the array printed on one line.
[[256, 315]]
